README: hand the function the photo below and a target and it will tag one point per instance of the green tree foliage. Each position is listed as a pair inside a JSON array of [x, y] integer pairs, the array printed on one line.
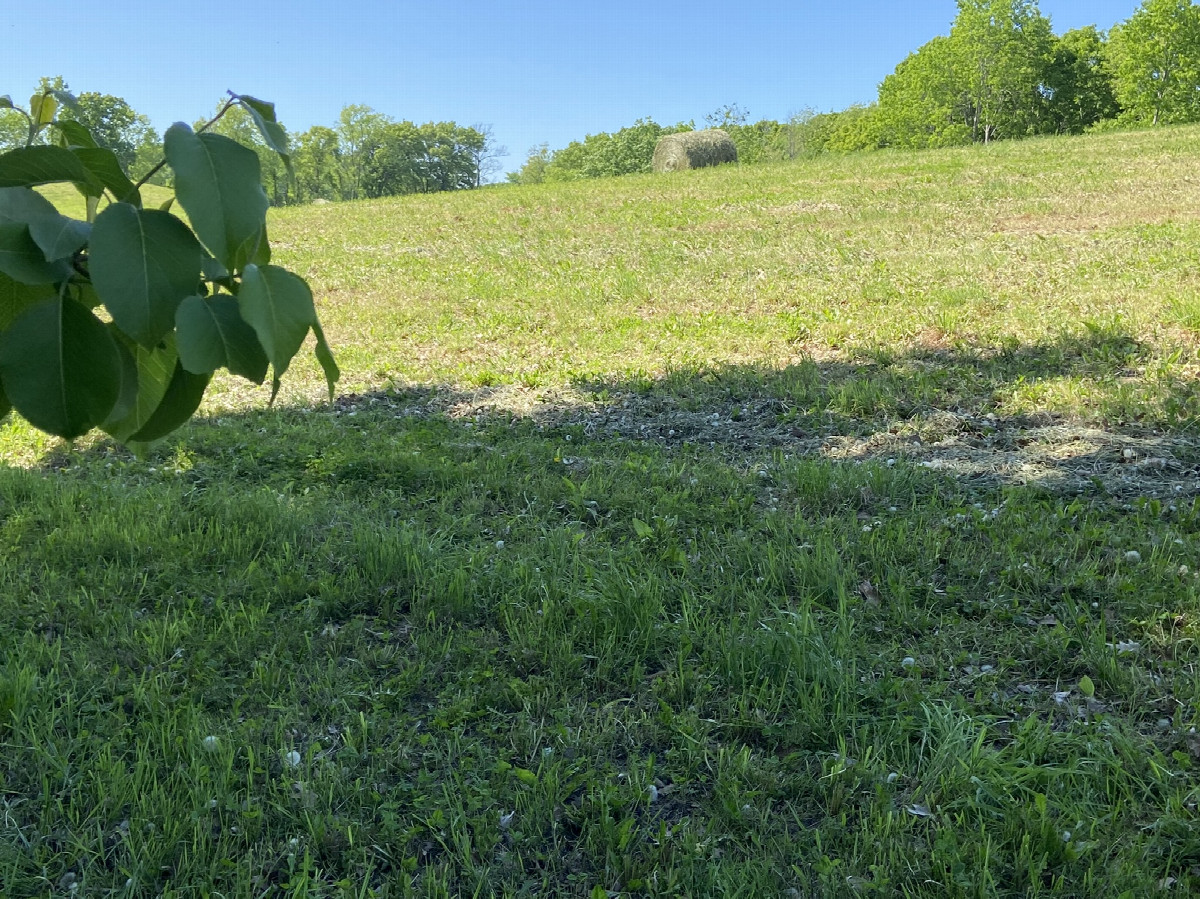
[[369, 155], [1155, 61], [534, 169], [605, 155], [179, 300], [1000, 73], [1078, 88], [856, 128], [360, 132], [409, 158], [1002, 49], [115, 125], [318, 163], [925, 102]]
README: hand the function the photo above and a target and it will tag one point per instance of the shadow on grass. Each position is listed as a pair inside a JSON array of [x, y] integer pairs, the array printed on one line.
[[477, 601], [1075, 415]]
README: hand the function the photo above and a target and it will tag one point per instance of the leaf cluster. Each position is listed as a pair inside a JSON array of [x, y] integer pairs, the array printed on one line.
[[119, 321]]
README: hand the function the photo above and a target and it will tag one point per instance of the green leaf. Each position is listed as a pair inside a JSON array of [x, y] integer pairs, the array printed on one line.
[[218, 183], [6, 102], [106, 168], [60, 368], [279, 306], [262, 254], [42, 108], [16, 297], [152, 372], [273, 134], [212, 334], [75, 134], [143, 263], [644, 531], [30, 166], [212, 270], [1086, 687], [325, 357], [23, 260], [67, 99], [182, 399], [57, 235], [127, 396]]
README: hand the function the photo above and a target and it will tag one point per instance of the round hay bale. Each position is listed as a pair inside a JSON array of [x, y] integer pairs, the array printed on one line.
[[693, 150]]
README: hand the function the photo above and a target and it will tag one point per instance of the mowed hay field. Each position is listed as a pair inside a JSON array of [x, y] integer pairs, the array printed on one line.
[[823, 529]]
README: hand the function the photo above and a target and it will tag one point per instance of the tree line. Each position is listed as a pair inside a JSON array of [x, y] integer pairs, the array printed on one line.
[[366, 154], [1000, 74]]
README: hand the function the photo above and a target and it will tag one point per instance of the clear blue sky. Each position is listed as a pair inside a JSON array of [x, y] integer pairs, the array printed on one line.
[[535, 71]]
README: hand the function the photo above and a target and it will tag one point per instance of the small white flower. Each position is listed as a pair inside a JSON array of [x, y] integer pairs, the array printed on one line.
[[652, 793], [292, 759], [1066, 836], [908, 662], [1133, 556], [211, 743], [499, 544], [893, 777], [507, 820], [891, 462]]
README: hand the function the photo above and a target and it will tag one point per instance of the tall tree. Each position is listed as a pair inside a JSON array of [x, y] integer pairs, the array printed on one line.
[[1078, 87], [926, 102], [1155, 61], [360, 131], [1003, 48], [488, 156], [533, 171], [317, 160], [983, 82]]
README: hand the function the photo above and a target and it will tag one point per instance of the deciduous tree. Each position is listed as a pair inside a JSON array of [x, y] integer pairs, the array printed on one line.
[[1155, 61]]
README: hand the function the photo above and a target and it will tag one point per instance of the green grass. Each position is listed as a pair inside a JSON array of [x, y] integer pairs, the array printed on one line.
[[70, 202], [750, 532]]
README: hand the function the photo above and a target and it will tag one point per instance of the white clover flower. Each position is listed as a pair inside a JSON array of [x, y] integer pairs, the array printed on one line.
[[1133, 556], [292, 759], [908, 662], [211, 743]]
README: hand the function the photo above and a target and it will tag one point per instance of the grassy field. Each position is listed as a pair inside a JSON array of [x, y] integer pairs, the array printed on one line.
[[826, 529]]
